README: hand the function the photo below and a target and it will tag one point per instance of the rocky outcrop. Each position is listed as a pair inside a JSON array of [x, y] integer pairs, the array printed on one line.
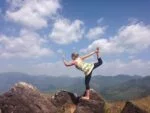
[[94, 105], [25, 98], [131, 108]]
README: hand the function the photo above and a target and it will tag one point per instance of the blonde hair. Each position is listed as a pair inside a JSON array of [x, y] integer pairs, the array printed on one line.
[[76, 55]]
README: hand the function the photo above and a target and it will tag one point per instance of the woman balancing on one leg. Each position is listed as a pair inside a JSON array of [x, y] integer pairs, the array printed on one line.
[[87, 68]]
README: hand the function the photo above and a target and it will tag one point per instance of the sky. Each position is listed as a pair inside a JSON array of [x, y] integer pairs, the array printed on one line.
[[34, 34]]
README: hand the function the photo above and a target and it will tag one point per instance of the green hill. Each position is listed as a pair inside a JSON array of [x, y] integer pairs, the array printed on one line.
[[131, 89]]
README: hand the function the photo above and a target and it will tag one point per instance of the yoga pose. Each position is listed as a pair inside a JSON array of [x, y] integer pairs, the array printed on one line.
[[87, 68]]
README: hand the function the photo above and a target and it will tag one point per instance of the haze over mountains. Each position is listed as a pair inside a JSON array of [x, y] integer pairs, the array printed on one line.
[[120, 87]]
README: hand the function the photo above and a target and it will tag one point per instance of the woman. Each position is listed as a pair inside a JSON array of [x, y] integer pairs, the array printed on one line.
[[87, 68]]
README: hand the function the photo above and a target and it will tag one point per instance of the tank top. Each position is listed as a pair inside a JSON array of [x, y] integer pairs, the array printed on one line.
[[83, 66]]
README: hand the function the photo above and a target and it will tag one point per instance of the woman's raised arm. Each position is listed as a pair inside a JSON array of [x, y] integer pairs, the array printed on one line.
[[88, 55]]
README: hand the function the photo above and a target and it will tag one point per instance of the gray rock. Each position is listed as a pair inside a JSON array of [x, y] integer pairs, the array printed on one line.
[[24, 98], [63, 97], [94, 105]]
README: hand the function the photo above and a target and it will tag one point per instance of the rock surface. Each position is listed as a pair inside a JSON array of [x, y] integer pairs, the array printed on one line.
[[131, 108], [24, 98], [63, 97], [94, 105], [64, 101]]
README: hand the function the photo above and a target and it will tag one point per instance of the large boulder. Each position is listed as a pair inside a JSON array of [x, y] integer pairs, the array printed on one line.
[[94, 105], [64, 101], [64, 97], [24, 98], [131, 108]]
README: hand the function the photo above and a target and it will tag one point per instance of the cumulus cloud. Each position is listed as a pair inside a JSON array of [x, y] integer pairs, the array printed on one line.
[[64, 31], [32, 13], [96, 32], [132, 38], [106, 46], [27, 44]]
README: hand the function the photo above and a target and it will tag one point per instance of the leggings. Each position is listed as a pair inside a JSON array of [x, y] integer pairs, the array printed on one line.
[[88, 77]]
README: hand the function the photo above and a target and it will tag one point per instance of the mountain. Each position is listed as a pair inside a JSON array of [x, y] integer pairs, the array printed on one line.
[[111, 87], [131, 89], [50, 83]]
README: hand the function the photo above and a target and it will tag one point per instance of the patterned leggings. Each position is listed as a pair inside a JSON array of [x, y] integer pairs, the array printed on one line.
[[88, 77]]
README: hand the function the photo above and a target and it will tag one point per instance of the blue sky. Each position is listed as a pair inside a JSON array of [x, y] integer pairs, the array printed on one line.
[[34, 37]]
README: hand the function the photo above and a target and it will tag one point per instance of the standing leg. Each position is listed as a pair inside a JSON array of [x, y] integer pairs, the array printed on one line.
[[87, 85]]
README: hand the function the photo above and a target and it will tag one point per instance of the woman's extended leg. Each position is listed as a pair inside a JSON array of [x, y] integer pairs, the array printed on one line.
[[97, 64]]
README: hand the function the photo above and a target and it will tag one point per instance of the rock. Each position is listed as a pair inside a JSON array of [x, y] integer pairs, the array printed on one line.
[[95, 96], [94, 105], [63, 97], [64, 101], [24, 98], [131, 108]]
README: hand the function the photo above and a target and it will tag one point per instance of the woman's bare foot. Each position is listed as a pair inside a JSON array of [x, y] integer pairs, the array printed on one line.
[[85, 98]]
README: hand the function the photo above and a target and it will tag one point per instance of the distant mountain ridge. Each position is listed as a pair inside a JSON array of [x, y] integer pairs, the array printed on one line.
[[112, 87], [134, 88]]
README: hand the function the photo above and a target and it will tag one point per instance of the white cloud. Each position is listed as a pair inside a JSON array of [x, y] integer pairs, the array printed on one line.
[[132, 38], [64, 31], [106, 46], [28, 44], [96, 32], [133, 67], [32, 13]]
